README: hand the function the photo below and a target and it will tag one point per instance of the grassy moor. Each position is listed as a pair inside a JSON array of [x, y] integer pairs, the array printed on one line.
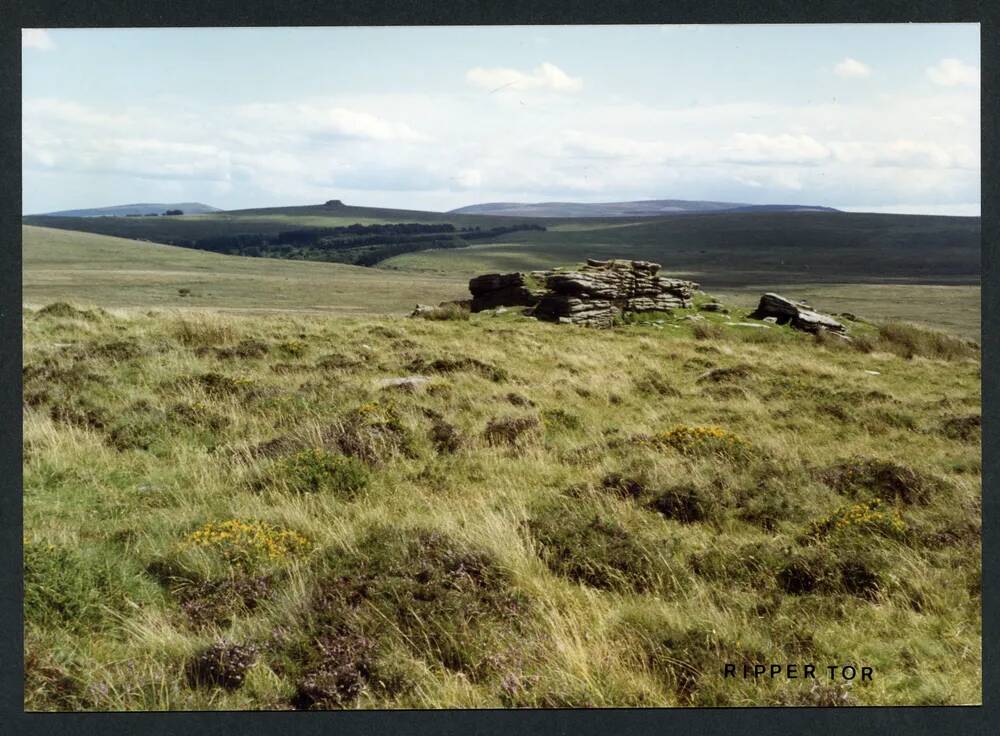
[[246, 512]]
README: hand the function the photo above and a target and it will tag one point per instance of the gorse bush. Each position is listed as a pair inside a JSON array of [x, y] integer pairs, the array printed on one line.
[[869, 517], [248, 543], [689, 440], [318, 471]]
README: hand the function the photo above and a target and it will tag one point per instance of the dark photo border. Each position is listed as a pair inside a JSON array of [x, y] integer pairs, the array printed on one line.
[[966, 720]]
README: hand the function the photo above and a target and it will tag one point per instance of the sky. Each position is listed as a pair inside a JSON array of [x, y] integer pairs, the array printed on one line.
[[878, 118]]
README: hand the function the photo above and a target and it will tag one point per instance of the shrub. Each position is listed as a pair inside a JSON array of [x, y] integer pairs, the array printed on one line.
[[687, 504], [518, 400], [964, 428], [222, 664], [141, 428], [198, 414], [218, 602], [373, 434], [734, 373], [871, 517], [345, 664], [561, 418], [445, 436], [416, 590], [701, 441], [622, 486], [293, 348], [451, 365], [316, 471], [220, 385], [592, 548], [510, 430], [247, 348], [881, 478], [246, 544], [652, 382], [824, 570]]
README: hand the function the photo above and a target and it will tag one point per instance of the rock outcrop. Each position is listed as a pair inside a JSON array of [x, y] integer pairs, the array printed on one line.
[[592, 295], [800, 316]]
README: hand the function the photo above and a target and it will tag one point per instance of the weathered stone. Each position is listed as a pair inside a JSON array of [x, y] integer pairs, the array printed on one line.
[[713, 307], [785, 311], [594, 294]]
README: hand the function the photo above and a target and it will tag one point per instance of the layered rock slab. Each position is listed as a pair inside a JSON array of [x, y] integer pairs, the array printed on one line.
[[593, 295]]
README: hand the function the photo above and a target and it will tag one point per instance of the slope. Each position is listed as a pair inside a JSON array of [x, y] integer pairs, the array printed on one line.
[[95, 269]]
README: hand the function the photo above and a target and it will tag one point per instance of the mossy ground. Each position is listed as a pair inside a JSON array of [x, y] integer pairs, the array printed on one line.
[[528, 528]]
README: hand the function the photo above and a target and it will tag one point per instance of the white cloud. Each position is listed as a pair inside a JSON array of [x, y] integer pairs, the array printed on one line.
[[36, 38], [359, 148], [470, 178], [953, 73], [320, 119], [545, 76], [755, 148], [906, 153], [852, 69]]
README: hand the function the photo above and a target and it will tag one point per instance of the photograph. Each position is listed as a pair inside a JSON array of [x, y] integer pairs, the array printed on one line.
[[396, 367]]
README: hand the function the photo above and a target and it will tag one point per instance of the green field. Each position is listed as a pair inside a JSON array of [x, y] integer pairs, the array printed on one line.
[[914, 268], [724, 250], [61, 265], [742, 249], [227, 512]]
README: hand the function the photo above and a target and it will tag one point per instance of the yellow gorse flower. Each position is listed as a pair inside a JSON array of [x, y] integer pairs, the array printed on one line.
[[686, 439], [247, 541], [866, 516]]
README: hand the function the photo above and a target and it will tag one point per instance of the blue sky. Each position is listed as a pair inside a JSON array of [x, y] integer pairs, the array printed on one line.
[[863, 117]]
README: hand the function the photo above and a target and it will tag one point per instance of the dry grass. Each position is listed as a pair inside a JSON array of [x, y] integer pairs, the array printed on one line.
[[559, 517]]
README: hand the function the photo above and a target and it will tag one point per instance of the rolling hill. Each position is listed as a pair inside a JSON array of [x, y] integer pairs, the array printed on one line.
[[133, 210], [643, 208], [729, 248], [85, 268]]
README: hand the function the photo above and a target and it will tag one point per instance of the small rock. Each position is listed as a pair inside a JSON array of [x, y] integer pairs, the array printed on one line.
[[799, 316], [748, 324], [713, 307], [770, 320], [421, 309], [873, 373]]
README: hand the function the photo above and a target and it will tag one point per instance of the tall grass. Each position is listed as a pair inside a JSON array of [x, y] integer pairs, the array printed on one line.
[[228, 512]]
